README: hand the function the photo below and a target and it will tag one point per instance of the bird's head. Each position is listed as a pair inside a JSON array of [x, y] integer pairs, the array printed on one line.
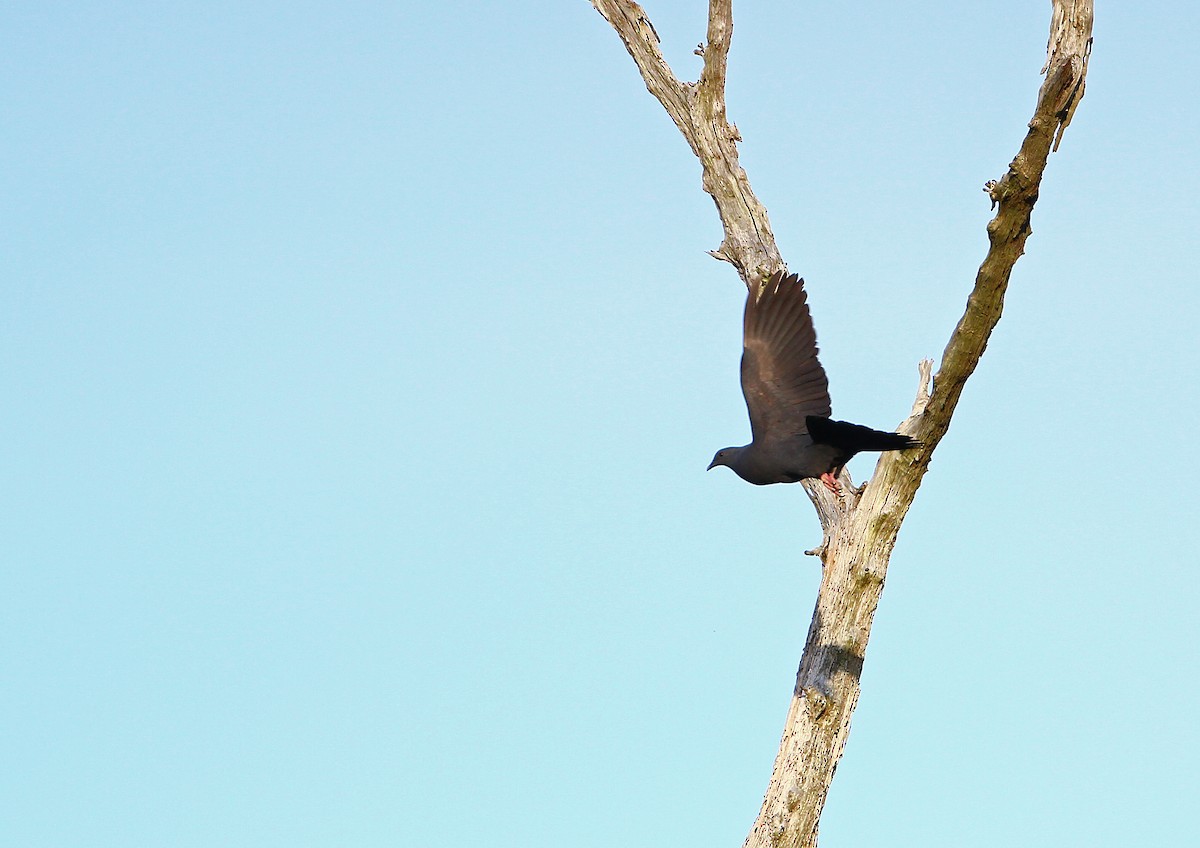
[[725, 456]]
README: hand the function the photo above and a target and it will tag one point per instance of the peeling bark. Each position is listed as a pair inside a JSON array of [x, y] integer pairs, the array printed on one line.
[[860, 528]]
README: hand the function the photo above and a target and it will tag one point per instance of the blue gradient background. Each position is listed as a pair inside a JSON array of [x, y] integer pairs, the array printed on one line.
[[360, 363]]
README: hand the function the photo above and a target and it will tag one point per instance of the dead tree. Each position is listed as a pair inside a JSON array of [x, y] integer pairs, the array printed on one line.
[[860, 529]]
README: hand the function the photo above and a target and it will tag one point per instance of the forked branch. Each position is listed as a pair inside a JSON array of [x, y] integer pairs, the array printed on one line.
[[860, 530], [698, 109]]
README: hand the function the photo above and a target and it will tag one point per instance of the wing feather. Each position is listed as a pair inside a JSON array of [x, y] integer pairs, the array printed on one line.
[[782, 379]]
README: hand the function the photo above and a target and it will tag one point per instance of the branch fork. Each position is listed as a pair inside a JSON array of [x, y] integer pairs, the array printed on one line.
[[860, 528]]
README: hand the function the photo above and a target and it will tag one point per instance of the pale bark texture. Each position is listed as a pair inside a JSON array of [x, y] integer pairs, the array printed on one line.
[[860, 528]]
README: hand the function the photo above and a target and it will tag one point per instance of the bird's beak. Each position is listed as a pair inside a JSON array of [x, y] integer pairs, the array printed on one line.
[[711, 465]]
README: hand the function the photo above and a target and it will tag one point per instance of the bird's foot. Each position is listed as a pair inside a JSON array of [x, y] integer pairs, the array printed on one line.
[[831, 483]]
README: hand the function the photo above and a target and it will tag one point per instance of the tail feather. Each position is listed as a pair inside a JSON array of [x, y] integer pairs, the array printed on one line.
[[855, 437]]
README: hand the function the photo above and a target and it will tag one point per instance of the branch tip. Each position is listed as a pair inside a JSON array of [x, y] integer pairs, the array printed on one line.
[[992, 189]]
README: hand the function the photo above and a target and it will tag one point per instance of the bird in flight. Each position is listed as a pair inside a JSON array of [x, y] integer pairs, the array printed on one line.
[[787, 395]]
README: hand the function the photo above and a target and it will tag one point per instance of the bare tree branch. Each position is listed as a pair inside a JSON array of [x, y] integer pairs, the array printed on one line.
[[716, 56], [698, 109], [858, 548], [859, 529], [1015, 194]]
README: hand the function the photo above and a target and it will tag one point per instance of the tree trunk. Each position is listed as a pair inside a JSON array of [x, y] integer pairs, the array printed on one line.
[[860, 528]]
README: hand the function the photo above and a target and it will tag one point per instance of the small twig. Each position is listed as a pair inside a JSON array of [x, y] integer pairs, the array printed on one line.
[[924, 393]]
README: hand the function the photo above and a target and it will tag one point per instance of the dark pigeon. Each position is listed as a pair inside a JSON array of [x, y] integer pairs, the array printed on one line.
[[787, 393]]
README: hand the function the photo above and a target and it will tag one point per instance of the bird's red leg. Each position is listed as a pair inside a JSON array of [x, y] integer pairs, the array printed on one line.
[[831, 483]]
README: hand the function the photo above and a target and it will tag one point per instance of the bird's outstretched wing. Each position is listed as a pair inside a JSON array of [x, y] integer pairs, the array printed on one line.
[[782, 379]]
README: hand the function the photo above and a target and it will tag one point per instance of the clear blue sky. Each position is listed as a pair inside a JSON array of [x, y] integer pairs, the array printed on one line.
[[360, 363]]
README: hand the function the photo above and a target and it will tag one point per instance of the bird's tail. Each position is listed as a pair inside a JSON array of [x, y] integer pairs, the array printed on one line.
[[855, 437]]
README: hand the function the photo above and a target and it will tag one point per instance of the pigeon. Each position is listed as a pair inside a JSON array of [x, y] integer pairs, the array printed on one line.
[[787, 395]]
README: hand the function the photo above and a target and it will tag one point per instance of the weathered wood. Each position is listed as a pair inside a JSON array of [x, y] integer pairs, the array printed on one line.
[[859, 529], [698, 109]]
